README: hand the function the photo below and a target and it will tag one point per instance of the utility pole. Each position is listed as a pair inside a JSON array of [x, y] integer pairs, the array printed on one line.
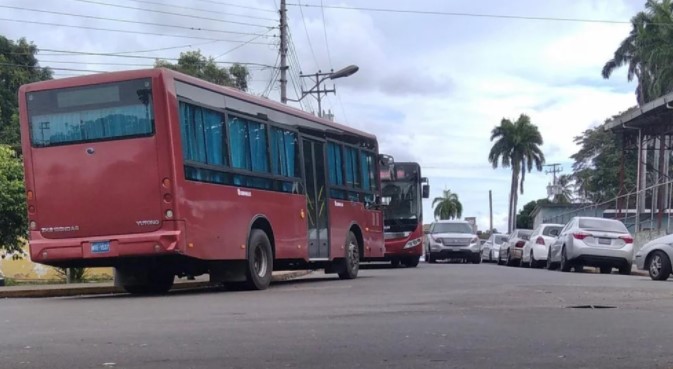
[[555, 168], [283, 52], [490, 211], [317, 90]]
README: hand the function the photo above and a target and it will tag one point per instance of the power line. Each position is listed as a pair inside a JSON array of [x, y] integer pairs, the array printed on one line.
[[124, 31], [241, 45], [201, 10], [236, 5], [310, 45], [462, 14], [107, 63], [329, 59], [38, 67], [171, 13], [129, 21]]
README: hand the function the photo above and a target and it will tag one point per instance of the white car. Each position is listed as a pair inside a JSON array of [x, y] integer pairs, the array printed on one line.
[[512, 249], [655, 257], [491, 249], [537, 247], [596, 242]]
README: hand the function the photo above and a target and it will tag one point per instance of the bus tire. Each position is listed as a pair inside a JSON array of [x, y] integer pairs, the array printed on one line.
[[411, 261], [351, 261], [259, 262]]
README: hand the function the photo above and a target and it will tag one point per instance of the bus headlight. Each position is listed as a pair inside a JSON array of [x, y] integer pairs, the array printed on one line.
[[413, 243]]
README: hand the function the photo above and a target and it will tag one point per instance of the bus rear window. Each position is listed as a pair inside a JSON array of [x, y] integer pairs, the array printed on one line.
[[91, 113]]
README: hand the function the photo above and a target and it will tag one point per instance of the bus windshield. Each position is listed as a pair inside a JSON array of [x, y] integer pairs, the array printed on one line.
[[92, 113], [404, 200]]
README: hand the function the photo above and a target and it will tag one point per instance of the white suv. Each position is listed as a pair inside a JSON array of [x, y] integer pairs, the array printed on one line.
[[452, 239]]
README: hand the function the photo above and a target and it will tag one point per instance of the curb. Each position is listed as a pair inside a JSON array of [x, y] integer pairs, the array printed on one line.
[[65, 291]]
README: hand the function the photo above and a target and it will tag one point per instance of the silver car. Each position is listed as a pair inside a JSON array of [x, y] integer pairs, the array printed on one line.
[[597, 242], [655, 257], [491, 249], [511, 250], [452, 239], [537, 247]]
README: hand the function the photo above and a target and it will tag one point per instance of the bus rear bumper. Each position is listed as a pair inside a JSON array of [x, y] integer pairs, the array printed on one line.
[[82, 250]]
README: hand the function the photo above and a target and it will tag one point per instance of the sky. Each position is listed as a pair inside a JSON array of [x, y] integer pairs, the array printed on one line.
[[431, 87]]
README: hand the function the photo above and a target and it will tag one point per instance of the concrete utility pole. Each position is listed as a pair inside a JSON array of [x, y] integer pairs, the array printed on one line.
[[490, 211], [283, 52], [317, 90], [555, 168]]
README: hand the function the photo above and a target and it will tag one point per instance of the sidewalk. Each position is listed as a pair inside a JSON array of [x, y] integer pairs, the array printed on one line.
[[104, 288]]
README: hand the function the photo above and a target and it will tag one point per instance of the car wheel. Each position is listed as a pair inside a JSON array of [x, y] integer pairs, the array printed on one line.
[[490, 256], [606, 269], [579, 268], [625, 269], [510, 262], [431, 259], [550, 264], [659, 266], [531, 261], [565, 264], [476, 259]]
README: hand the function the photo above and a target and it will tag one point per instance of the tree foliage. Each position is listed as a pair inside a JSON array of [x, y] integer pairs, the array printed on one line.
[[13, 215], [525, 220], [517, 146], [18, 66], [447, 206], [197, 65], [647, 51], [597, 164]]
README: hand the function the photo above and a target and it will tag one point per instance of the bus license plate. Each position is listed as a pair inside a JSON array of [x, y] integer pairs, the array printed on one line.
[[98, 247]]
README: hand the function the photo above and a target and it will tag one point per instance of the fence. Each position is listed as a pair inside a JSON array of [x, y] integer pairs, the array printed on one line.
[[646, 213]]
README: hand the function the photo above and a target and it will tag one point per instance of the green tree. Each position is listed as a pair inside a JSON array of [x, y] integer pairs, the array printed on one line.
[[18, 66], [647, 51], [447, 206], [597, 165], [566, 186], [197, 65], [517, 146], [13, 215], [525, 220]]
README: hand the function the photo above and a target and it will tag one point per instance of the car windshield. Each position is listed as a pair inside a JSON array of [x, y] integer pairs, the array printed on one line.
[[605, 225], [551, 231], [500, 239], [452, 228], [524, 234]]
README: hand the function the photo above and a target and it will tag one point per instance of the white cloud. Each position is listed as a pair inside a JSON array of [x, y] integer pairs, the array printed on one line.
[[430, 87]]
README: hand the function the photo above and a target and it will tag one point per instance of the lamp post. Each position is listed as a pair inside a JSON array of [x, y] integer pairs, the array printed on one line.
[[321, 77]]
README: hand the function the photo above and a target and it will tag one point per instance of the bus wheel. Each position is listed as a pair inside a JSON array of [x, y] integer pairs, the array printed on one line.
[[260, 261], [411, 261], [144, 282], [351, 263]]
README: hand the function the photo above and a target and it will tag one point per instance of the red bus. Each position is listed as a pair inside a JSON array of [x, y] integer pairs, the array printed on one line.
[[159, 174], [405, 189]]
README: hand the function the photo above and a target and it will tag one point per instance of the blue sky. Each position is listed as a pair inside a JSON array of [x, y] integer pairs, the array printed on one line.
[[431, 87]]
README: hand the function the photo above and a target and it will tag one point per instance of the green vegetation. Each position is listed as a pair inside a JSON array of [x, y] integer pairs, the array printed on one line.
[[13, 213], [517, 146], [206, 68], [447, 206]]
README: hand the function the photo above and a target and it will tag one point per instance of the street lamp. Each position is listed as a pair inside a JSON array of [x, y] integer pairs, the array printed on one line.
[[320, 77]]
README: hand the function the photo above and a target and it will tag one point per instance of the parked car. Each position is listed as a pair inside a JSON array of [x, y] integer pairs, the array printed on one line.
[[511, 250], [491, 249], [655, 257], [597, 242], [534, 253], [452, 239]]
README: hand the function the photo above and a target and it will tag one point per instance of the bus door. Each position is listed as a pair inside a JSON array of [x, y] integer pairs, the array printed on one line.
[[316, 198]]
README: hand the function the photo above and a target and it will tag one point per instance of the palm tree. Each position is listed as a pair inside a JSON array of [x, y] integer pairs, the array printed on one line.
[[447, 206], [566, 193], [647, 51], [517, 146]]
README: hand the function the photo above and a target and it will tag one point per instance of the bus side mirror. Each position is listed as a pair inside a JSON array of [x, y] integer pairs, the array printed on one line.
[[384, 200], [425, 187]]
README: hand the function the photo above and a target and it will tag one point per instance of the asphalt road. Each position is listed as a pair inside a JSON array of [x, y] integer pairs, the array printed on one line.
[[433, 316]]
